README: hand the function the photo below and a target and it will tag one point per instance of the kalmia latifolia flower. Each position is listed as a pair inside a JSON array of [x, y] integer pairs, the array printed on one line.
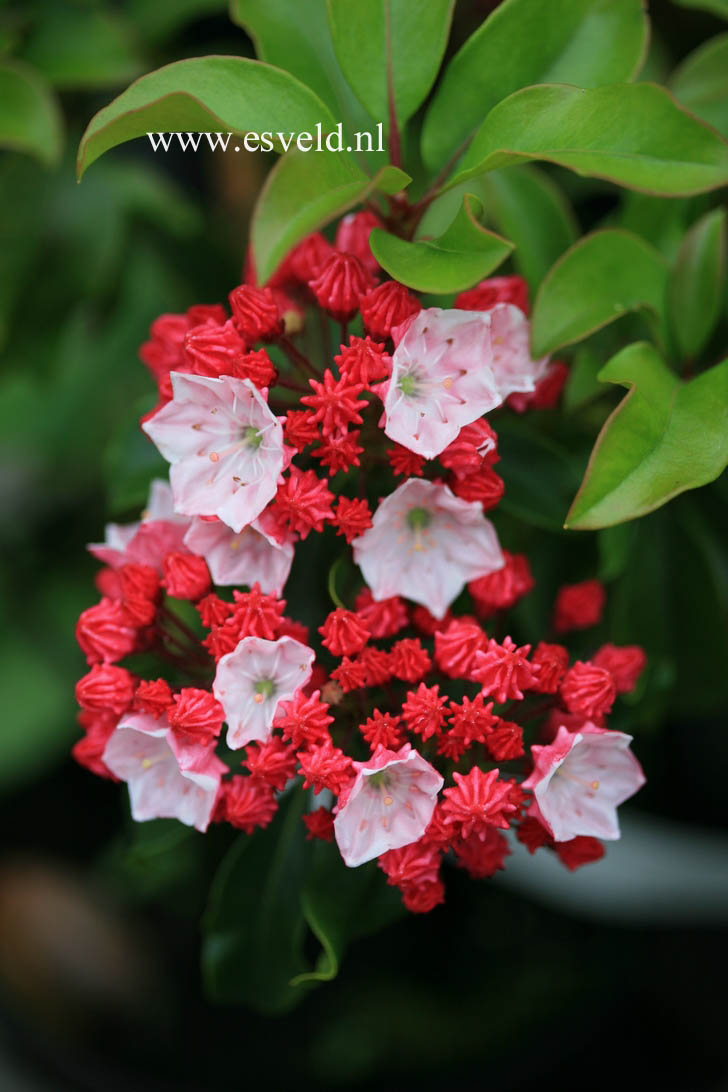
[[451, 367], [167, 779], [251, 681], [411, 711], [389, 804], [252, 555], [425, 544], [224, 445], [580, 779]]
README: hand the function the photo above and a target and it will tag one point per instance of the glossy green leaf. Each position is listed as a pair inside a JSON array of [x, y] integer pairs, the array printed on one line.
[[30, 120], [695, 287], [701, 82], [205, 94], [295, 36], [524, 205], [664, 437], [524, 42], [303, 192], [341, 904], [634, 134], [78, 47], [253, 928], [532, 212], [601, 277], [376, 39], [459, 258]]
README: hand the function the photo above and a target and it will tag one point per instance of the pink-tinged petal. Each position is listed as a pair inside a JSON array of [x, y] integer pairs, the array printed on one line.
[[166, 780], [580, 779], [389, 805], [253, 679], [160, 532], [512, 365], [224, 445], [247, 557], [425, 544], [449, 368], [441, 379]]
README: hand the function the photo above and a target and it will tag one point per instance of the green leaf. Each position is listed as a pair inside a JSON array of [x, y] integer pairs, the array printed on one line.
[[341, 904], [295, 36], [253, 928], [81, 48], [601, 277], [532, 212], [701, 82], [662, 222], [376, 38], [695, 287], [522, 203], [636, 135], [664, 437], [205, 94], [303, 192], [30, 120], [717, 7], [524, 42], [462, 255]]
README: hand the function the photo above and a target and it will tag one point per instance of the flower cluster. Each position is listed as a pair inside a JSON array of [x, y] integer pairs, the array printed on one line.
[[419, 729]]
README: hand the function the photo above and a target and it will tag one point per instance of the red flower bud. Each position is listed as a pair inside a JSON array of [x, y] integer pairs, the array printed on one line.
[[106, 689], [340, 285], [255, 314], [186, 576], [387, 306], [105, 632], [492, 291], [352, 236]]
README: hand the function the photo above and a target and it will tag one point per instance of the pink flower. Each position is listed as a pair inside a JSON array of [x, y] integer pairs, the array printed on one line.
[[160, 532], [252, 681], [167, 779], [579, 780], [426, 544], [449, 368], [253, 554], [389, 804], [225, 447]]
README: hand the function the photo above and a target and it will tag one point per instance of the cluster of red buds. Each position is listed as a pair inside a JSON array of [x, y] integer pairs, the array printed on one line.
[[417, 727]]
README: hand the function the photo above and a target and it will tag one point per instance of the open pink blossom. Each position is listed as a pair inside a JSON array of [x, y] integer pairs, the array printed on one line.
[[449, 368], [160, 531], [426, 544], [579, 780], [225, 447], [166, 779], [253, 679], [389, 805], [244, 557]]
